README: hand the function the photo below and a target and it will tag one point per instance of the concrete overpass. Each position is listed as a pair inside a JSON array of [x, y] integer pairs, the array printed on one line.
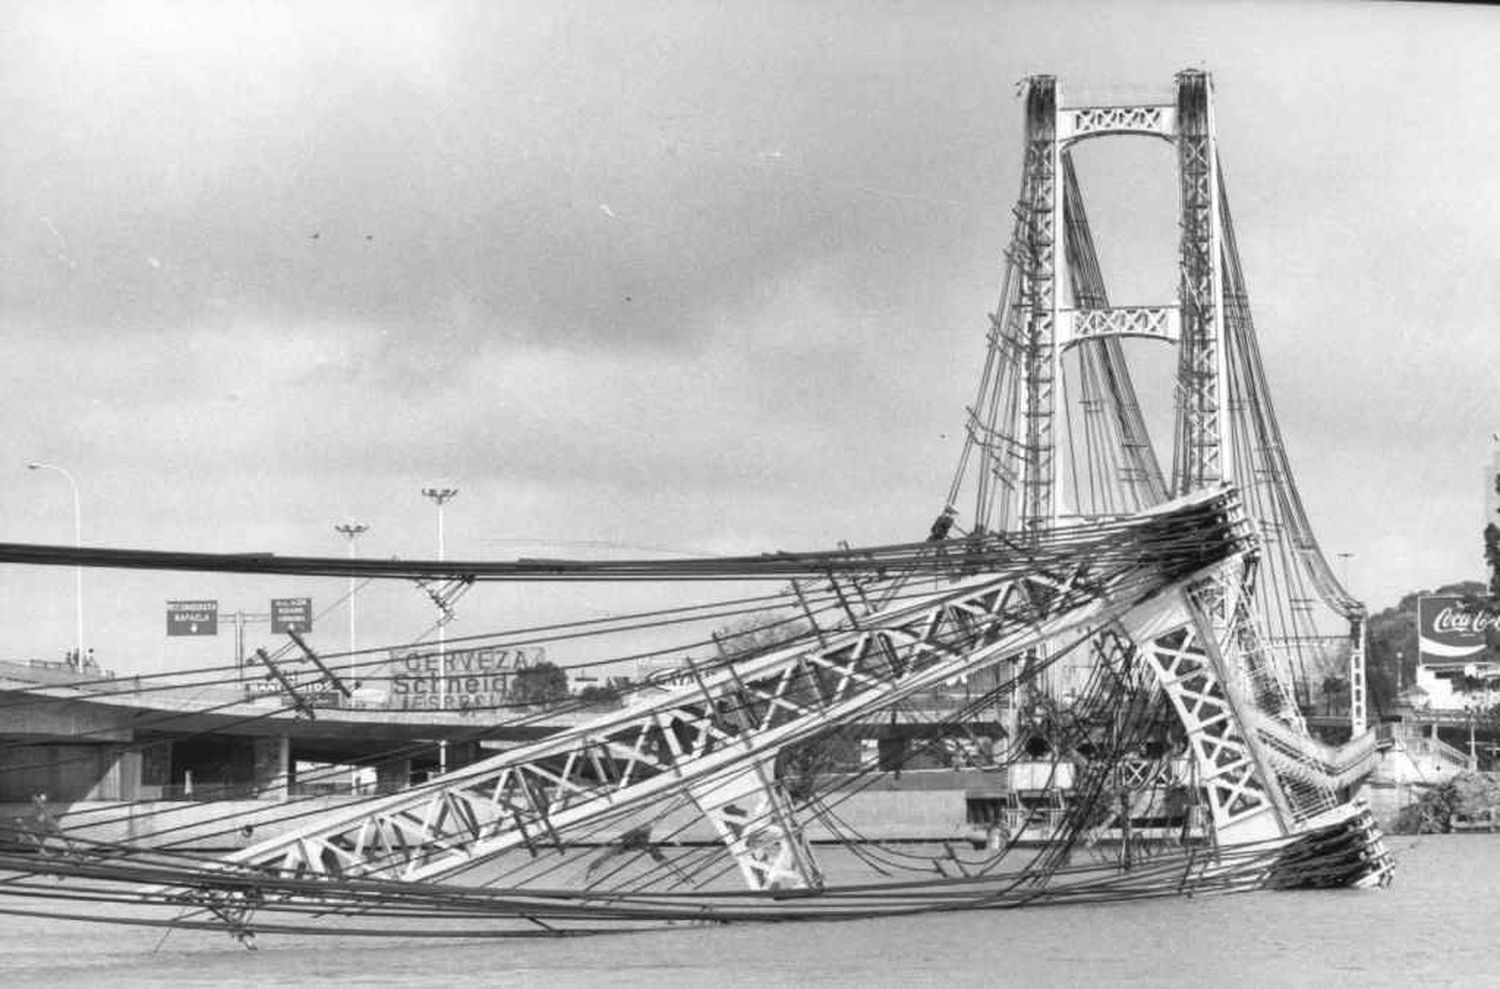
[[129, 759], [77, 738]]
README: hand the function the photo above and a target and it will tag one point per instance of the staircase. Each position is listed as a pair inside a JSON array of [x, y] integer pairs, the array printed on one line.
[[1312, 773]]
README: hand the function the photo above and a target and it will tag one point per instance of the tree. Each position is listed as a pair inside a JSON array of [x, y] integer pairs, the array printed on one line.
[[1492, 557], [1492, 551], [1393, 643], [540, 684], [606, 696], [1333, 686], [1432, 813], [760, 632]]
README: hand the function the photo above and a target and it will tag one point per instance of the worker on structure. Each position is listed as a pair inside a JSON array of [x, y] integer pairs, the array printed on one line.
[[45, 827], [637, 839], [941, 525]]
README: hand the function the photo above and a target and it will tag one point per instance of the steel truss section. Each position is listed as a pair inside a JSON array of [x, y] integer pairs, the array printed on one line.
[[1302, 768], [1358, 721], [712, 741], [1180, 649], [1203, 450], [753, 819], [1039, 302], [1263, 774], [1148, 774], [1156, 322], [1078, 122]]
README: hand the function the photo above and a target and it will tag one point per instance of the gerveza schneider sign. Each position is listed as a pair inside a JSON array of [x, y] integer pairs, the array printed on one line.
[[457, 679]]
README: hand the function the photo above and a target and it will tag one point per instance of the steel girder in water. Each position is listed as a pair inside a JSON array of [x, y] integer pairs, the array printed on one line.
[[714, 741]]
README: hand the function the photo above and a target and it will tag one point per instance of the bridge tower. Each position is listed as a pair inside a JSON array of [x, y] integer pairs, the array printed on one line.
[[1052, 252], [1056, 434]]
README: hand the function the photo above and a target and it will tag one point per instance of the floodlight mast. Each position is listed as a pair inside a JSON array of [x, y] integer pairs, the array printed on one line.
[[351, 529], [77, 544], [441, 493]]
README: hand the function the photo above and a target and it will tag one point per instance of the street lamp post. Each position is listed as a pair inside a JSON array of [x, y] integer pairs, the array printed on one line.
[[77, 543], [352, 530], [440, 493], [1346, 557]]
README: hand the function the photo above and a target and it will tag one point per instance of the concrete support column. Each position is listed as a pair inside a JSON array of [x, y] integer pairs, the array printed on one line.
[[128, 772], [392, 775], [463, 754], [273, 768], [119, 774], [894, 750]]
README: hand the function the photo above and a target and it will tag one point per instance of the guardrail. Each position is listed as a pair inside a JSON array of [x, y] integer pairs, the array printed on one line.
[[201, 792], [1329, 768], [1424, 745]]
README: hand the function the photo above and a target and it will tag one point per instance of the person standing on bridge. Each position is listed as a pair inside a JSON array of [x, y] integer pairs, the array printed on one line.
[[942, 524]]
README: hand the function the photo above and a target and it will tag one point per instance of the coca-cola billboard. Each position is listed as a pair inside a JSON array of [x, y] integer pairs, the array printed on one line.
[[1451, 633]]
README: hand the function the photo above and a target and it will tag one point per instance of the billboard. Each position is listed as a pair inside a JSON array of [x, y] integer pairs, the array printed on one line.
[[314, 690], [475, 678], [666, 675], [1451, 634], [291, 615], [192, 618]]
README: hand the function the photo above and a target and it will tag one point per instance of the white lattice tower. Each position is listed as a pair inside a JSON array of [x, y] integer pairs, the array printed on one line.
[[1040, 302], [1223, 426], [1224, 430], [1043, 326]]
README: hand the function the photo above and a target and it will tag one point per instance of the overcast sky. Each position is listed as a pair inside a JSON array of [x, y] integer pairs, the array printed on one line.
[[695, 277]]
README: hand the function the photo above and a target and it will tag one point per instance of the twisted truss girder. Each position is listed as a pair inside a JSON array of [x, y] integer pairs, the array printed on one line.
[[713, 740]]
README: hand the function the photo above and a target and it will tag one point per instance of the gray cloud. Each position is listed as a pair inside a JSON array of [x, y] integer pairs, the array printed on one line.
[[696, 276]]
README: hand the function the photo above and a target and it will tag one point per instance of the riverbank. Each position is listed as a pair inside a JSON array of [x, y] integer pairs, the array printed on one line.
[[1469, 801]]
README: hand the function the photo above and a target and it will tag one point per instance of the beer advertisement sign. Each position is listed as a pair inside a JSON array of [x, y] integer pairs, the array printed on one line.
[[458, 679], [1453, 634]]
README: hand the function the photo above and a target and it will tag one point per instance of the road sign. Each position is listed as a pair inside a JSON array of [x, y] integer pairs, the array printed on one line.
[[192, 618], [291, 615]]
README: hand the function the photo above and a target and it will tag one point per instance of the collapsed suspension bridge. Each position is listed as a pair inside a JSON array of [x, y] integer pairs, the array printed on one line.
[[1142, 628]]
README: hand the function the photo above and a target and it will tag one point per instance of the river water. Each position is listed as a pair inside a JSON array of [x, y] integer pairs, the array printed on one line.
[[1434, 926]]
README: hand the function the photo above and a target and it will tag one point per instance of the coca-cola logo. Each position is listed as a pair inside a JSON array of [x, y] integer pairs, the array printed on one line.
[[1452, 631], [1461, 621]]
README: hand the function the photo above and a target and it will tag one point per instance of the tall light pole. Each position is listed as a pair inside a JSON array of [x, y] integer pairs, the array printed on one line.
[[77, 543], [440, 493], [351, 529], [1346, 557]]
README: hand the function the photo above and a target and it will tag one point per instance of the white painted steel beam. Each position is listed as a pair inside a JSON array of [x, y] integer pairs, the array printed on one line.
[[697, 740], [713, 740], [1075, 123], [1155, 322]]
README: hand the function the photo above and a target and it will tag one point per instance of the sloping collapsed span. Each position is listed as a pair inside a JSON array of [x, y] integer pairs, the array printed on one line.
[[565, 833]]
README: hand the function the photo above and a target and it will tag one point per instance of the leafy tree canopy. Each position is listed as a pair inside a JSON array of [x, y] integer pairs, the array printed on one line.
[[540, 684]]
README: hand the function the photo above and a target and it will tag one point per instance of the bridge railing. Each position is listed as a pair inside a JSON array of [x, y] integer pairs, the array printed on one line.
[[1332, 767], [1416, 742], [202, 791]]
